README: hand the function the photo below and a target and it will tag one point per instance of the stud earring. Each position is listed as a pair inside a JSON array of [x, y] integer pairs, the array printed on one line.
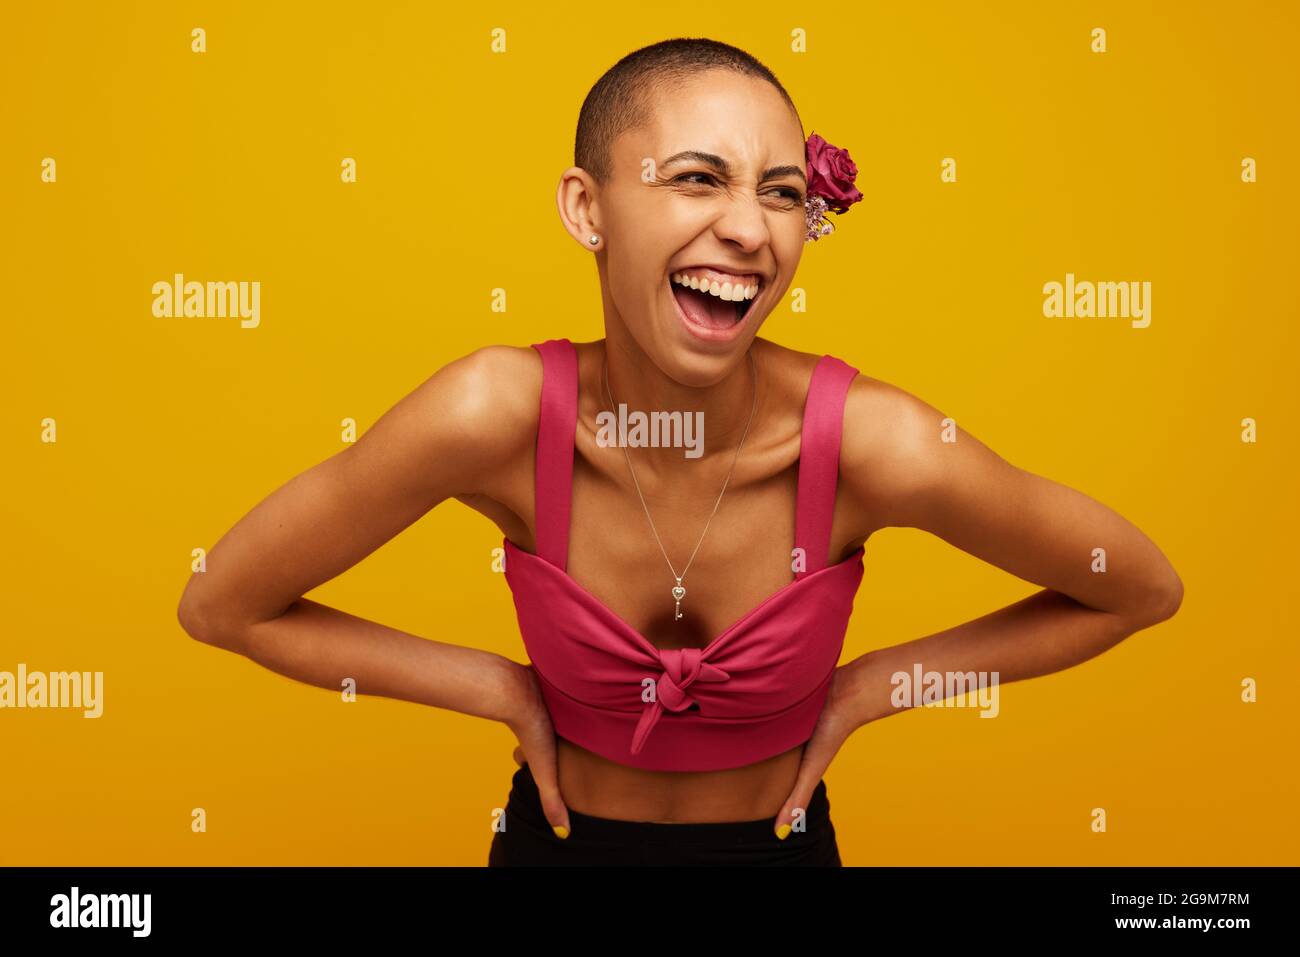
[[594, 239]]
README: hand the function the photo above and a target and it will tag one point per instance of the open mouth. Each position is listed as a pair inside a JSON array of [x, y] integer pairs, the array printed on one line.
[[713, 299]]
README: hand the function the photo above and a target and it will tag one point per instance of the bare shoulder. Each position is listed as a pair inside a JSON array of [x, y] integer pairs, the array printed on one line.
[[887, 430], [897, 449], [788, 372], [463, 422], [493, 390]]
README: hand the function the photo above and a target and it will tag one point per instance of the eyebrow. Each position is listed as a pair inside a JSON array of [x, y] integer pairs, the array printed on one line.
[[724, 168]]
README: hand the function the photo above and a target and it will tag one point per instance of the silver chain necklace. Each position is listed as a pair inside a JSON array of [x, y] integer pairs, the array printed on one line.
[[679, 590]]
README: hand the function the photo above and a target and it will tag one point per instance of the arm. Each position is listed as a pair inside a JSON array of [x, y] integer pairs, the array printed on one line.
[[447, 438], [899, 473]]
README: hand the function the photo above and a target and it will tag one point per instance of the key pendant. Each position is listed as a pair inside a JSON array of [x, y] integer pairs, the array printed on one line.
[[678, 594]]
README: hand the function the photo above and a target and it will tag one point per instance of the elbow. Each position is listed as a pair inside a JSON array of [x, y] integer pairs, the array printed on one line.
[[1175, 597], [1164, 603], [1172, 597], [198, 620], [192, 619]]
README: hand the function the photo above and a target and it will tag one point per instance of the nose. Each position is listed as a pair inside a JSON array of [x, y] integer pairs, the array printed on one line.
[[743, 222]]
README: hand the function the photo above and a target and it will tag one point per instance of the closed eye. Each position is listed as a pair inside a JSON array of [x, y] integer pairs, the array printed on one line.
[[686, 176], [790, 193]]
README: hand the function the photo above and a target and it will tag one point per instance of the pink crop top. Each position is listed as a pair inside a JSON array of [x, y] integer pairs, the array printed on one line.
[[752, 692]]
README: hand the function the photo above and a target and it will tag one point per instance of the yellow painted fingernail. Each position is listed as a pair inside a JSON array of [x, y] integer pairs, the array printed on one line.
[[783, 831], [560, 831]]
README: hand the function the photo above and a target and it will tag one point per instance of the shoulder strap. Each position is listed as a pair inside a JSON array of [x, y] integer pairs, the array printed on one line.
[[553, 474], [819, 460]]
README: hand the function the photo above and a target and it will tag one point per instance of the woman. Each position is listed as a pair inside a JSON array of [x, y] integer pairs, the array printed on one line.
[[683, 603]]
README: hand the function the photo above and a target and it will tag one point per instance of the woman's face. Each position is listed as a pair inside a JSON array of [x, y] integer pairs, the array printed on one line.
[[713, 188]]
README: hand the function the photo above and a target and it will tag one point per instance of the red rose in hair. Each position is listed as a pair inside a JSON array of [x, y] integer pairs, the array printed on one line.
[[831, 172]]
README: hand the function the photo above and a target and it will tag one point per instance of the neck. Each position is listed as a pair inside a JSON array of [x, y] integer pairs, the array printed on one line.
[[724, 407]]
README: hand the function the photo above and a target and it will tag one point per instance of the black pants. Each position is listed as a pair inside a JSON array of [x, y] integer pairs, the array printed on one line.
[[527, 839]]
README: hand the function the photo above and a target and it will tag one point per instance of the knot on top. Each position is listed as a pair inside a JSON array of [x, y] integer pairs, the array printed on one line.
[[682, 667]]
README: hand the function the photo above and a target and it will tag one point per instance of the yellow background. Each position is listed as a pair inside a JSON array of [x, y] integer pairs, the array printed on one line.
[[225, 166]]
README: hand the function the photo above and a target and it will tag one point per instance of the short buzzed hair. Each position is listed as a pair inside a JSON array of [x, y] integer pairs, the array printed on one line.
[[620, 100]]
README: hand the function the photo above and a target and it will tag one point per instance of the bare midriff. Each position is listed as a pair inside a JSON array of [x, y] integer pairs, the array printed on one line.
[[594, 785]]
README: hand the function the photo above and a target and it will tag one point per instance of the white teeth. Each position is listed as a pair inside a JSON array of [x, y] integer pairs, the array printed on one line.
[[731, 292]]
